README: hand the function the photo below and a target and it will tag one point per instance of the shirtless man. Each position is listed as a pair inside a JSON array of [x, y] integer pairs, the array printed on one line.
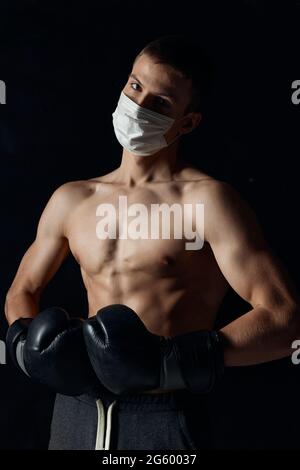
[[171, 290]]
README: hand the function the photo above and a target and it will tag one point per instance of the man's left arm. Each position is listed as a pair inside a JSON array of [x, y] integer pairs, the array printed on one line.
[[267, 331]]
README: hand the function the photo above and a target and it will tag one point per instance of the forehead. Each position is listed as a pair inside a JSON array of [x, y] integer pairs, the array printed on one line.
[[161, 77]]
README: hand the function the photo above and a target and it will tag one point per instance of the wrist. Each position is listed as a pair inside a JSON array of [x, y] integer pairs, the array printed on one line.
[[15, 341]]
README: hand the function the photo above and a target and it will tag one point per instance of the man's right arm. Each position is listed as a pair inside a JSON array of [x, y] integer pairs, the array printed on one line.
[[50, 348], [44, 256]]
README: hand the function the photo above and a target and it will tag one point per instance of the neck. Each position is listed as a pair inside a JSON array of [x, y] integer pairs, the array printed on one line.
[[161, 166]]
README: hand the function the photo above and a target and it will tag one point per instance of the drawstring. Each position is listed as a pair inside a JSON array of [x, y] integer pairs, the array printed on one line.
[[108, 425], [102, 430], [100, 425]]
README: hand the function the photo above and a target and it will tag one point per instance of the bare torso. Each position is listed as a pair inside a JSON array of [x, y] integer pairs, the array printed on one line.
[[172, 289]]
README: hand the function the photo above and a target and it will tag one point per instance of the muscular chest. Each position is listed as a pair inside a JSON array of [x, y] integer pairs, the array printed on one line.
[[135, 232]]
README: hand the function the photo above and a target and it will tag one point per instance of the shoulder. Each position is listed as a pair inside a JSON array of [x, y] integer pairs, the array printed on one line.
[[221, 193], [82, 187], [217, 193], [73, 192], [208, 190], [202, 183], [65, 199], [192, 175], [228, 215]]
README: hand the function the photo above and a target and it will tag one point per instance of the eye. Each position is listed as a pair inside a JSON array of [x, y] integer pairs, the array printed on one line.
[[162, 102], [134, 83]]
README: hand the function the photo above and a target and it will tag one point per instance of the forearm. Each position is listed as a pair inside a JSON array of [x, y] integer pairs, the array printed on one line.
[[21, 304], [257, 337]]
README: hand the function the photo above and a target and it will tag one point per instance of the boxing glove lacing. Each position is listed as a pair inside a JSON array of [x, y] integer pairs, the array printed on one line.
[[104, 425]]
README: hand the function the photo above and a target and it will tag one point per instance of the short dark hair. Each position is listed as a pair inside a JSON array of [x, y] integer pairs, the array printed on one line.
[[185, 55]]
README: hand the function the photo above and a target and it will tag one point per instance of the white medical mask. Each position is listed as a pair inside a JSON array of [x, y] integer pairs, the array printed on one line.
[[140, 130]]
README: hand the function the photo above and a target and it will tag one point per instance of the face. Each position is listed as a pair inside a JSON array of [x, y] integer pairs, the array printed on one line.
[[162, 89]]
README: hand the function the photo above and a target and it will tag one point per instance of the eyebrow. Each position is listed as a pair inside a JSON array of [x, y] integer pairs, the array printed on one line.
[[165, 93]]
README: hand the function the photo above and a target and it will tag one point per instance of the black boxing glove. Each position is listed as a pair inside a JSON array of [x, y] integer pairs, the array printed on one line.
[[128, 358], [50, 349]]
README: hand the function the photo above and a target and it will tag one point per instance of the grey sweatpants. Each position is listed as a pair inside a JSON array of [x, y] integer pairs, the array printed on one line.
[[161, 421]]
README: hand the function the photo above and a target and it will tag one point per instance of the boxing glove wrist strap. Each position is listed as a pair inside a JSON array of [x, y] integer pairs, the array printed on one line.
[[193, 361], [15, 340]]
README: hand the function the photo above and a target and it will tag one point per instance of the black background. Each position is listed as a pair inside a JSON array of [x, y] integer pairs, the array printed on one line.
[[64, 65]]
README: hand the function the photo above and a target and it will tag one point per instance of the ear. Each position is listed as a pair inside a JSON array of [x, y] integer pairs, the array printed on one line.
[[192, 120]]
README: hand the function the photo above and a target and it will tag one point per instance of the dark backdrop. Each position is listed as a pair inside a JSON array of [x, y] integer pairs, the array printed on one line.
[[64, 65]]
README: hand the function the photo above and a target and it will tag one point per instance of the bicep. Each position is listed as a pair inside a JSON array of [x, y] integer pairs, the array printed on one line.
[[256, 275], [49, 249], [243, 254]]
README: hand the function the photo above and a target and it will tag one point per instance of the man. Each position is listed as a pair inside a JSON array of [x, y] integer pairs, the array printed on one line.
[[153, 292]]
